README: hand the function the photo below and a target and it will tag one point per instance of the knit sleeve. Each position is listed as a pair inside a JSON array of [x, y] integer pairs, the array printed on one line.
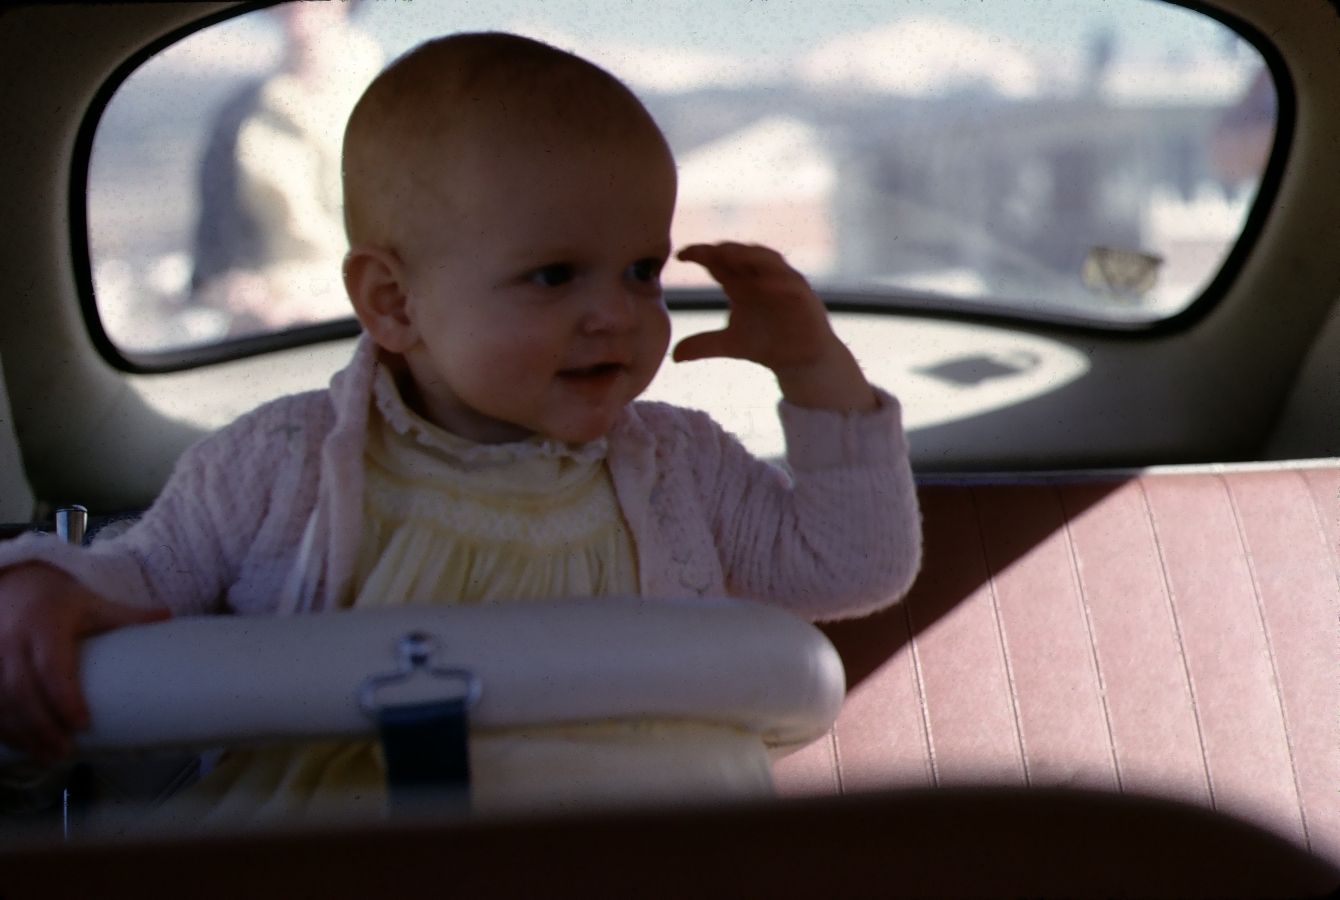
[[837, 538], [189, 545]]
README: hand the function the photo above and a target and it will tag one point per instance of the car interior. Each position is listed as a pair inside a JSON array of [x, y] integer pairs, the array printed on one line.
[[1118, 671]]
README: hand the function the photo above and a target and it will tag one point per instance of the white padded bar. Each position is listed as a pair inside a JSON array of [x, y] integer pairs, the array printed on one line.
[[223, 680]]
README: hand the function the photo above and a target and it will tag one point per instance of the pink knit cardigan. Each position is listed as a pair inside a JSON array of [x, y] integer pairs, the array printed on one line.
[[265, 515]]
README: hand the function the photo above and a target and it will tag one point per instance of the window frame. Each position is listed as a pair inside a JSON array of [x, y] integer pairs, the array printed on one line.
[[895, 302]]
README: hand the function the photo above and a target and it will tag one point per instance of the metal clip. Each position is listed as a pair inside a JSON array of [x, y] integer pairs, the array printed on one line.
[[71, 523], [416, 651]]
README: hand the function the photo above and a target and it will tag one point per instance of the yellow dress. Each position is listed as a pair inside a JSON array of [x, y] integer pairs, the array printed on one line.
[[451, 521], [447, 521]]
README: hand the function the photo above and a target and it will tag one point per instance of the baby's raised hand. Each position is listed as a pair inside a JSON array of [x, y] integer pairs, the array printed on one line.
[[777, 320]]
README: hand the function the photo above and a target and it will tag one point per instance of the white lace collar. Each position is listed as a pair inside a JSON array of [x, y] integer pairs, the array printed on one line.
[[404, 421]]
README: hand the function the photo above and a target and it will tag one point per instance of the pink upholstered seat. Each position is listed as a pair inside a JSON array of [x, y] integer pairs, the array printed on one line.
[[1174, 632]]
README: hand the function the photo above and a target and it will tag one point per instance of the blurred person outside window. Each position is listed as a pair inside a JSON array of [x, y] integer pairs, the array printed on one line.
[[270, 233]]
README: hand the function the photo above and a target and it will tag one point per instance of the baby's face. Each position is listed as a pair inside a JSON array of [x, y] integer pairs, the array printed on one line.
[[536, 292]]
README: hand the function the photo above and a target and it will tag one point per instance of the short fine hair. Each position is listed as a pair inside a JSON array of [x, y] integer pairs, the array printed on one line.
[[445, 96]]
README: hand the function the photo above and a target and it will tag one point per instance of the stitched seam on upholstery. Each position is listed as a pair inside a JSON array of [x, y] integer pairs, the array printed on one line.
[[1000, 639], [1270, 654], [1181, 645], [837, 759], [1332, 550], [1088, 631], [921, 694], [1319, 528]]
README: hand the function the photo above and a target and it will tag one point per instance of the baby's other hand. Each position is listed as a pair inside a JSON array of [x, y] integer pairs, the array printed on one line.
[[777, 320], [44, 614]]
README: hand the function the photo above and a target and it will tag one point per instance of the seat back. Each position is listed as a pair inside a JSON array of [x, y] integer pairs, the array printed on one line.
[[16, 497], [1167, 632]]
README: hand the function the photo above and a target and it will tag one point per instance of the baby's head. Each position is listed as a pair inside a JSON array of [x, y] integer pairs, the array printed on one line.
[[508, 208]]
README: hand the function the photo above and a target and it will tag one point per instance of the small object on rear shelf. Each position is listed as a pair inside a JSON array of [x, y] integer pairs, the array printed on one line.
[[1121, 273]]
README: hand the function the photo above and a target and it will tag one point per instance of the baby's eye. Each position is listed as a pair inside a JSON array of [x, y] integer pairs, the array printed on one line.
[[646, 270], [553, 275]]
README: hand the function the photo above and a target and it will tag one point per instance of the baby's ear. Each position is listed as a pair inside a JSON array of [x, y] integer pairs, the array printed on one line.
[[374, 279]]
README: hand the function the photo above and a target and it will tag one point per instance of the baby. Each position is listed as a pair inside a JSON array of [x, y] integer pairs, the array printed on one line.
[[508, 208]]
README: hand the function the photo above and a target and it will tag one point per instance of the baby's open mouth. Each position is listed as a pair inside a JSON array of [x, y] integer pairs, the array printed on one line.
[[599, 370]]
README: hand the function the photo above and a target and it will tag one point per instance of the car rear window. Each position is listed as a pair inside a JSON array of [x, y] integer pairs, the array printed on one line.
[[1083, 162]]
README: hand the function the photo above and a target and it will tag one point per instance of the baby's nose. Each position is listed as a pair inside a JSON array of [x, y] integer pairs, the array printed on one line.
[[611, 309]]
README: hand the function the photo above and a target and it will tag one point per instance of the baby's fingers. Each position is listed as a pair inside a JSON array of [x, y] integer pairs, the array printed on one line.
[[705, 345], [29, 724], [730, 261], [58, 655], [56, 663]]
